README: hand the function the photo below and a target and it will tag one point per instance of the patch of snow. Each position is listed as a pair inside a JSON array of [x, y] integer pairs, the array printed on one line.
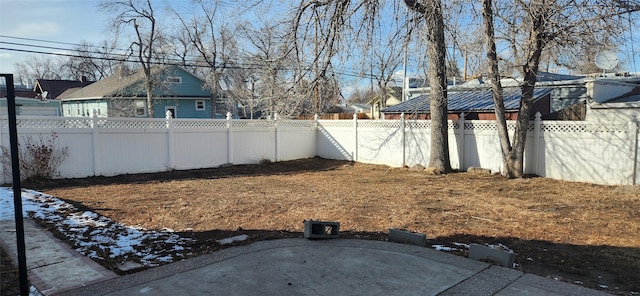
[[145, 290], [34, 292], [578, 282], [444, 248], [501, 247], [466, 246], [230, 240], [529, 259], [96, 236], [603, 286]]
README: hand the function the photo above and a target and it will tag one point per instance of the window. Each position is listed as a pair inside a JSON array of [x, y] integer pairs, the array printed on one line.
[[200, 105], [140, 108], [174, 79]]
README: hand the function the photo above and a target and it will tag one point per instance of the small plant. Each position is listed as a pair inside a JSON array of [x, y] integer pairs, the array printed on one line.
[[264, 161], [39, 158]]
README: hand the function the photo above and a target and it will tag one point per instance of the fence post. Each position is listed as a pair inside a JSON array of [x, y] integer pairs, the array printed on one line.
[[229, 138], [355, 133], [633, 134], [97, 171], [404, 140], [277, 135], [461, 141], [536, 143], [1, 166], [169, 124], [316, 126]]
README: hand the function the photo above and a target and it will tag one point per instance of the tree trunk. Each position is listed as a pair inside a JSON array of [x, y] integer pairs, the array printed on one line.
[[513, 154], [149, 89], [496, 89], [436, 51], [438, 109]]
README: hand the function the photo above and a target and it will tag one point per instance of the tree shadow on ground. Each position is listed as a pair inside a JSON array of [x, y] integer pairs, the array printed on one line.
[[610, 268], [262, 169]]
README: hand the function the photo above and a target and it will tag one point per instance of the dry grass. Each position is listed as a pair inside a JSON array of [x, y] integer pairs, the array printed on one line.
[[374, 198], [371, 198]]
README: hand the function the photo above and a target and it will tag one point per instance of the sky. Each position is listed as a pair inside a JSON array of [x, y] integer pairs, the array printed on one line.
[[70, 21], [74, 21]]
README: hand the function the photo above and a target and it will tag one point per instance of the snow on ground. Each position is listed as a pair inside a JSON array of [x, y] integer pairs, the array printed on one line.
[[96, 236]]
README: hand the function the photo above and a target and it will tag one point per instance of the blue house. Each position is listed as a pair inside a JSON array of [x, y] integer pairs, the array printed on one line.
[[123, 95]]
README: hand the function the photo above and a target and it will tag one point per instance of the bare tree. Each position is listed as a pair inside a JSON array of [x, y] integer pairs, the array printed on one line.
[[529, 28], [38, 67], [213, 42], [386, 56], [271, 55], [93, 61], [341, 20], [360, 96], [140, 14]]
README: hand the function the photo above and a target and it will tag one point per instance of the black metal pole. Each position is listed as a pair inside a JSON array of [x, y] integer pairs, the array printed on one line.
[[17, 191]]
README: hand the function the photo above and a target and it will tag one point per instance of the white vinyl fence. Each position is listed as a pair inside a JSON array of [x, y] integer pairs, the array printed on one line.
[[113, 146], [601, 153], [598, 153]]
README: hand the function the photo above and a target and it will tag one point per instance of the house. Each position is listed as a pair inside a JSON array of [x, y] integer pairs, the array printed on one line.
[[49, 89], [474, 103], [393, 97], [567, 90], [21, 91], [27, 104], [613, 100], [32, 107], [360, 108], [123, 95]]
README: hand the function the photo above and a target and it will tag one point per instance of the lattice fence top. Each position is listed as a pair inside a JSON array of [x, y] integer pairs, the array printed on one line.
[[490, 125], [418, 124], [195, 123], [133, 123], [248, 124], [49, 123], [45, 122], [394, 124], [297, 123], [584, 127], [336, 123]]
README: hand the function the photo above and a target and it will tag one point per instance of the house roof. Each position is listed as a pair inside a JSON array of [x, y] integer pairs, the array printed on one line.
[[120, 85], [19, 92], [468, 100], [57, 87]]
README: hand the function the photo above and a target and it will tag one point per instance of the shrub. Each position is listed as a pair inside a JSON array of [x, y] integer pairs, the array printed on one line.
[[39, 158]]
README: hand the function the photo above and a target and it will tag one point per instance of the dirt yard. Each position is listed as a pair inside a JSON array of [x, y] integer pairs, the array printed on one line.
[[574, 232]]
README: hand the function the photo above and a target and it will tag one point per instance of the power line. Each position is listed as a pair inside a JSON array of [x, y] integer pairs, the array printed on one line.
[[171, 62]]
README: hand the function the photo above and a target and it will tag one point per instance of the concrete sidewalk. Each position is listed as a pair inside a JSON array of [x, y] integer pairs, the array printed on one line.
[[330, 267], [52, 265], [282, 267]]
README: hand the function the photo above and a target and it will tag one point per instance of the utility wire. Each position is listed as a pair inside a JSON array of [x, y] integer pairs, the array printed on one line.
[[171, 62]]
